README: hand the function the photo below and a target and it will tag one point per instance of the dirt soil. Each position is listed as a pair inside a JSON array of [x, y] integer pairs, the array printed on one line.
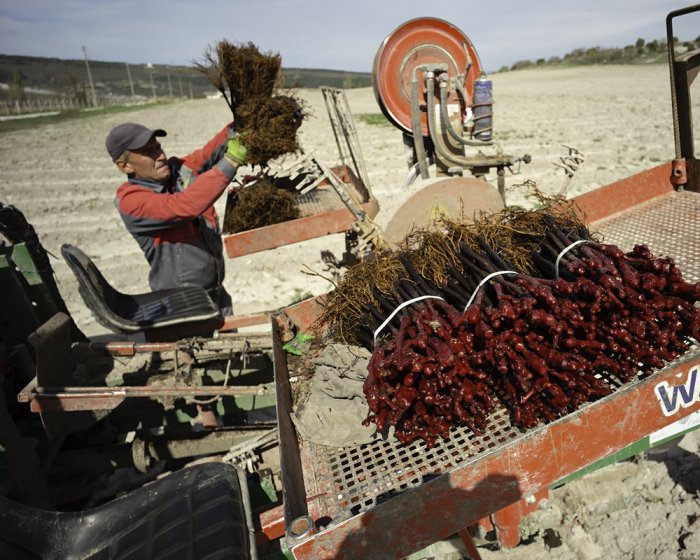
[[619, 117]]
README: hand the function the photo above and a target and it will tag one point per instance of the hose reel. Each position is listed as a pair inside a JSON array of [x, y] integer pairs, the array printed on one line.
[[428, 81]]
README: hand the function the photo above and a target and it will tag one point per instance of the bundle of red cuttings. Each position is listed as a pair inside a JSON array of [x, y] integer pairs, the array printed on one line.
[[542, 347]]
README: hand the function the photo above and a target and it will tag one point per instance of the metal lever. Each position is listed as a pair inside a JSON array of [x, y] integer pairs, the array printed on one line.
[[570, 163]]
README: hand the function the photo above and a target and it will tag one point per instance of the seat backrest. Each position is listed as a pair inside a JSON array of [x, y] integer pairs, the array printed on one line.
[[98, 294], [88, 275]]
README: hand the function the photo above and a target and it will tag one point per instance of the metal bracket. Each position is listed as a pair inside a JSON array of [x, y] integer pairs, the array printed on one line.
[[244, 454], [679, 175], [370, 233]]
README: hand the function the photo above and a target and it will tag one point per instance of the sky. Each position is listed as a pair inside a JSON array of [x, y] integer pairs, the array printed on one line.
[[327, 34]]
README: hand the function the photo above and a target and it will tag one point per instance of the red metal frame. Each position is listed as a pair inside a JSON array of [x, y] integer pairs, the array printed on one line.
[[286, 233], [70, 399], [615, 198], [56, 394], [271, 525]]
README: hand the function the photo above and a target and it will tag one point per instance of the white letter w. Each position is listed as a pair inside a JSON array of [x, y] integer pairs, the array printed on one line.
[[671, 403]]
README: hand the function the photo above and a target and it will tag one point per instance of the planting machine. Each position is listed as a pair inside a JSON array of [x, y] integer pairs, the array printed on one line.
[[385, 499], [182, 442]]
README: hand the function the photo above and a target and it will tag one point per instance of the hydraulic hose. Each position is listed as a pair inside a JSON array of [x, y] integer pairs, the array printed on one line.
[[448, 125], [438, 141], [434, 134], [416, 128]]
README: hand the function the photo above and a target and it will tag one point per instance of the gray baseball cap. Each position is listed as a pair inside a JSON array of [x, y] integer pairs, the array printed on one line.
[[129, 136]]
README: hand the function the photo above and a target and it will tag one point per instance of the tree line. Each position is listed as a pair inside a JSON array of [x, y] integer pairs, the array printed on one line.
[[23, 78], [642, 52]]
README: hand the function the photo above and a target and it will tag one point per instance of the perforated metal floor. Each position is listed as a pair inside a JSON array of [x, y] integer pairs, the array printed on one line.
[[317, 201], [670, 226], [354, 479]]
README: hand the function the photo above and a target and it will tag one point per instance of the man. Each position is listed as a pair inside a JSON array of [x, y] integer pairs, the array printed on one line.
[[167, 205]]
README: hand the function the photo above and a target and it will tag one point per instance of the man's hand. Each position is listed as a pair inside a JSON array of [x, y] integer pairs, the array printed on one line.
[[236, 151]]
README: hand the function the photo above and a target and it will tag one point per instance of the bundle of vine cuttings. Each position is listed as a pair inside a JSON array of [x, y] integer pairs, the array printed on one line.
[[525, 307], [249, 81], [257, 204]]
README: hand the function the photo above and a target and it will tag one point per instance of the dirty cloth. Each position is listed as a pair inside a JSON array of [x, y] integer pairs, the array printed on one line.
[[335, 406]]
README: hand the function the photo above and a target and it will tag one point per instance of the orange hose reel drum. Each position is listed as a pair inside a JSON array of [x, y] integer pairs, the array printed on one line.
[[420, 41]]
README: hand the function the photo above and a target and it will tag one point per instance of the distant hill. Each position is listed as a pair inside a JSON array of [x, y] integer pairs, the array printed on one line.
[[39, 76], [642, 52]]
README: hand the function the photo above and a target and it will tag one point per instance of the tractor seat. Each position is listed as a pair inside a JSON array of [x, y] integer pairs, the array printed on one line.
[[125, 313], [198, 513]]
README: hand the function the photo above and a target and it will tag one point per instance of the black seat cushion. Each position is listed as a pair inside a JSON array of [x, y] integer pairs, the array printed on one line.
[[197, 513]]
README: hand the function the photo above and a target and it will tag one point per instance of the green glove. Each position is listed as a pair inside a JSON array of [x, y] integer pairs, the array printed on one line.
[[299, 344], [236, 151]]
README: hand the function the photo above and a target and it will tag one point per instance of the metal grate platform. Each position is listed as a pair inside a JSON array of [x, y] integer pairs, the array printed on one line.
[[363, 476], [670, 226], [318, 201], [346, 481]]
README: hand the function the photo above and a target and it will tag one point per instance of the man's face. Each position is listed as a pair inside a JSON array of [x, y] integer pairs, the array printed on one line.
[[148, 163]]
